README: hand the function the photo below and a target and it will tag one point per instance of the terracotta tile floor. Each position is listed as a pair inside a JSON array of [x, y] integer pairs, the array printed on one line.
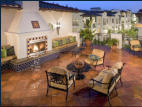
[[28, 88]]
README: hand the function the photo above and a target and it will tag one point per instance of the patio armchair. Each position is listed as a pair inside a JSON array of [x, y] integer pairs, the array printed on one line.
[[59, 78], [107, 80], [105, 83], [135, 46], [96, 58]]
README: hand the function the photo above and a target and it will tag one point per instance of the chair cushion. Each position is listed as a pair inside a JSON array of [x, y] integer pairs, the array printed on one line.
[[134, 42], [106, 79], [64, 41], [57, 70], [3, 53], [118, 65], [10, 51], [136, 46], [137, 49], [89, 61], [54, 43], [60, 42], [67, 40], [61, 86], [60, 70], [8, 58], [97, 52]]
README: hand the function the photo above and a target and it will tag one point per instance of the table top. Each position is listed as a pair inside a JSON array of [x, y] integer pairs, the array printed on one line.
[[79, 64]]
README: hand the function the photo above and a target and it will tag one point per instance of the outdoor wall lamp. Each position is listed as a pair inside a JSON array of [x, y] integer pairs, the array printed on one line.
[[58, 26]]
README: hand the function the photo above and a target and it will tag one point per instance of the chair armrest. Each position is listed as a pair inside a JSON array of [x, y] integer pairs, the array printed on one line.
[[72, 76], [98, 82]]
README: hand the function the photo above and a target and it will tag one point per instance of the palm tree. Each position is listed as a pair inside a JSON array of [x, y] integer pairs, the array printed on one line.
[[87, 34], [109, 32]]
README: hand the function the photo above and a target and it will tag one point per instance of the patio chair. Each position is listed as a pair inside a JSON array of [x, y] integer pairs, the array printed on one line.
[[104, 83], [135, 46], [58, 78], [107, 79], [96, 58]]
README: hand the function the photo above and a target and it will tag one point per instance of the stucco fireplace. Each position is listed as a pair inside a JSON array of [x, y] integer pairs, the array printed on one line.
[[29, 33]]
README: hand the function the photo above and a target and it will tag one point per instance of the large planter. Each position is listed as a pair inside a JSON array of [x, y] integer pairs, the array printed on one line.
[[114, 48], [88, 43]]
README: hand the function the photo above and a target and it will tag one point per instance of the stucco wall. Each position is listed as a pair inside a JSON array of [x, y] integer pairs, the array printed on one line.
[[65, 19], [140, 33], [7, 15]]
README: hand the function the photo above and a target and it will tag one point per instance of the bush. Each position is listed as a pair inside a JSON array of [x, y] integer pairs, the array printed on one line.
[[110, 42], [97, 42], [126, 46]]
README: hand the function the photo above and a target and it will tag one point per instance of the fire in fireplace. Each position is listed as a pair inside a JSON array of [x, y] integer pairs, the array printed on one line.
[[36, 46]]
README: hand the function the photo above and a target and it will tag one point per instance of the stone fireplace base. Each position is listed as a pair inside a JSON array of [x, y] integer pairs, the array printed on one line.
[[25, 63]]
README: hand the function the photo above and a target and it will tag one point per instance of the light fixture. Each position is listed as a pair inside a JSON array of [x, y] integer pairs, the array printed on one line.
[[58, 26]]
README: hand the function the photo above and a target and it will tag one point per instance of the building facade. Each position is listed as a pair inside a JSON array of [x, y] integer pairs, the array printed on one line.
[[104, 20]]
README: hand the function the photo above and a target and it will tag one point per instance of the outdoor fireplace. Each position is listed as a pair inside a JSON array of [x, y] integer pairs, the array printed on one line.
[[36, 46]]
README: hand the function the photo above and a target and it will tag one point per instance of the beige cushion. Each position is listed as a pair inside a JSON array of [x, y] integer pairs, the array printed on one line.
[[98, 52], [60, 70], [118, 65], [137, 49], [106, 79], [70, 82], [57, 70], [101, 89], [8, 58], [89, 61], [135, 42]]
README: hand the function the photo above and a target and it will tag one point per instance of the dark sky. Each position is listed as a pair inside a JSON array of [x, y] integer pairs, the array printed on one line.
[[107, 5]]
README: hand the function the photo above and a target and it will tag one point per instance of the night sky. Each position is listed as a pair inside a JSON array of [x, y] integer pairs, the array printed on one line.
[[106, 5]]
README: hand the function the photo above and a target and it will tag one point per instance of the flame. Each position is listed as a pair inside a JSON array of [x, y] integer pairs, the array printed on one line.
[[35, 49]]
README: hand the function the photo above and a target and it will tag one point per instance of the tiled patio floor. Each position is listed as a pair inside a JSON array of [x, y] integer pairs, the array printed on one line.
[[28, 88]]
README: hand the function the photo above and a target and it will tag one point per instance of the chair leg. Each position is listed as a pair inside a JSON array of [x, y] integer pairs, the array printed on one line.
[[47, 91], [95, 67], [73, 82], [66, 95], [108, 97], [121, 81], [116, 91], [90, 92]]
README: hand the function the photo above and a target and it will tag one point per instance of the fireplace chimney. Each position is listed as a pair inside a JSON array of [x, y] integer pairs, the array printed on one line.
[[28, 19]]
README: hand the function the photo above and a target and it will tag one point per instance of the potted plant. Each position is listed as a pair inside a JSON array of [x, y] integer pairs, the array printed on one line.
[[109, 42], [87, 34], [112, 43]]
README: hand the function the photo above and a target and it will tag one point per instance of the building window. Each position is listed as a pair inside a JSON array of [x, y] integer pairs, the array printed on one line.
[[104, 21], [75, 23], [75, 30], [112, 20], [99, 20]]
